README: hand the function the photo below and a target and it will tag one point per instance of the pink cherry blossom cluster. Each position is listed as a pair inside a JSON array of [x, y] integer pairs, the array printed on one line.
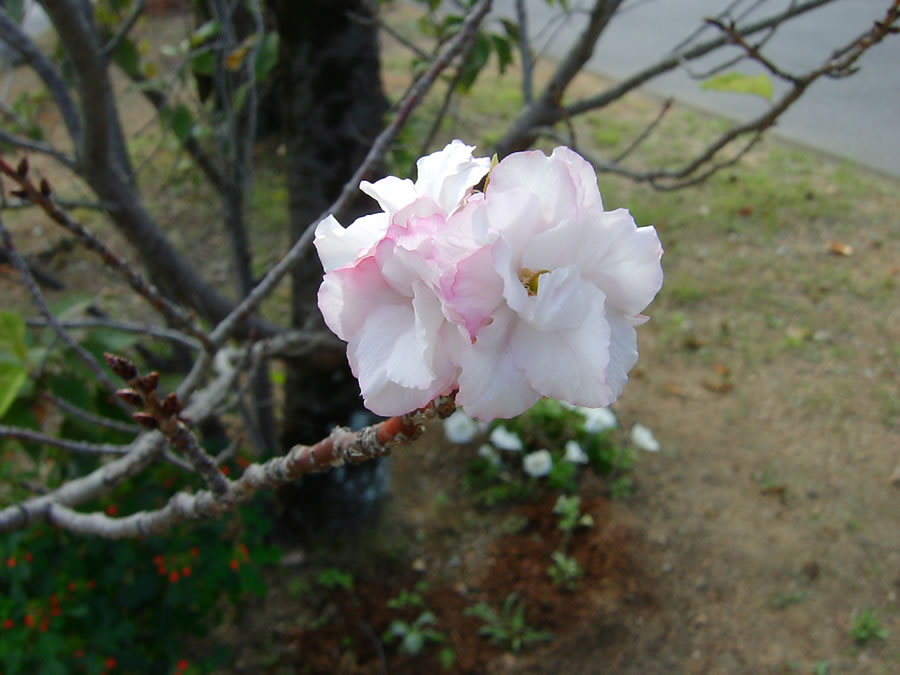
[[528, 289]]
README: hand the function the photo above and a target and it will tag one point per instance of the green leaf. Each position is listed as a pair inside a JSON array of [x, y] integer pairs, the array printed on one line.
[[128, 58], [266, 56], [203, 63], [208, 30], [739, 83], [13, 352], [504, 51], [181, 122]]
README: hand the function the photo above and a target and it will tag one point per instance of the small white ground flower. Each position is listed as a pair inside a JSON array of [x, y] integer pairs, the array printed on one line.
[[505, 439], [489, 452], [537, 464], [460, 428], [598, 419], [574, 453], [642, 437]]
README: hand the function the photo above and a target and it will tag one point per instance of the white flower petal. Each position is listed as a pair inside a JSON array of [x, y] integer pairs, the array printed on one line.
[[391, 193], [491, 385], [574, 453], [643, 438], [505, 439], [568, 364], [446, 176], [489, 452], [597, 419], [338, 246], [537, 464], [460, 428]]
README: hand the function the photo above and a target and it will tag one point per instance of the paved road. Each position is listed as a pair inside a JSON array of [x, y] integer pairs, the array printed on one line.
[[857, 118]]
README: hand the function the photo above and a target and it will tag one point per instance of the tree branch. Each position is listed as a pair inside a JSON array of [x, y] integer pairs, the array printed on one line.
[[123, 30], [38, 298], [15, 37], [340, 447], [412, 99], [89, 417], [80, 447], [36, 146], [43, 198]]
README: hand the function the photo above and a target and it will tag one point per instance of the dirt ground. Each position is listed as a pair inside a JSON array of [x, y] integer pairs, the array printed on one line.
[[769, 520]]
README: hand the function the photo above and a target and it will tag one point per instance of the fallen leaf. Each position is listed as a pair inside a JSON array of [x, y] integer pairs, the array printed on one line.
[[674, 389], [718, 387], [745, 211], [722, 369], [839, 248]]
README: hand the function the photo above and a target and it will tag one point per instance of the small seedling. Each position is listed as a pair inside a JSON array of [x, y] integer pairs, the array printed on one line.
[[414, 636], [406, 598], [821, 668], [333, 578], [867, 626], [569, 511], [565, 570], [782, 599], [508, 628], [447, 658]]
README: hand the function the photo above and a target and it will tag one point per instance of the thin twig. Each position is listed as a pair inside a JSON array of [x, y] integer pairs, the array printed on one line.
[[124, 29], [15, 37], [36, 146], [125, 327], [376, 152], [138, 283], [90, 417], [645, 134], [752, 51], [38, 298], [165, 415], [374, 18], [80, 447]]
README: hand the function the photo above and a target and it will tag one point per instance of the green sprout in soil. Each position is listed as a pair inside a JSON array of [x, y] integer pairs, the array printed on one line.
[[565, 570], [569, 511], [867, 626], [507, 628], [414, 636], [332, 578]]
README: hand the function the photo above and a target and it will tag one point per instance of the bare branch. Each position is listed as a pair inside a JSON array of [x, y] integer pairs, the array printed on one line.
[[38, 298], [125, 327], [165, 415], [123, 30], [36, 146], [89, 417], [43, 198], [340, 447], [412, 99], [839, 64], [80, 447], [15, 37], [752, 50], [581, 51], [645, 134], [525, 52], [664, 65]]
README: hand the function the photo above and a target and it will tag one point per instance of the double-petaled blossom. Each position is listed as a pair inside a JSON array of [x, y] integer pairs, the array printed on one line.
[[382, 274], [528, 290]]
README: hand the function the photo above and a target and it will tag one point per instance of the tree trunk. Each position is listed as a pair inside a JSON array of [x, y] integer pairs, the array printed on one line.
[[334, 107]]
